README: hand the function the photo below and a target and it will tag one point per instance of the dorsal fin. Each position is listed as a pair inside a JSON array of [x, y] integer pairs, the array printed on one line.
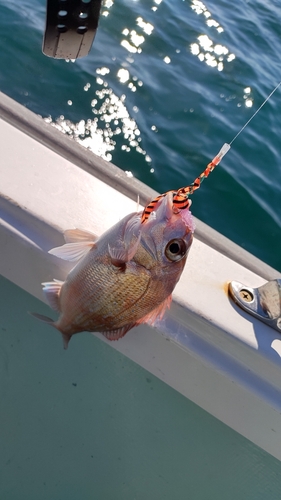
[[79, 235], [72, 251]]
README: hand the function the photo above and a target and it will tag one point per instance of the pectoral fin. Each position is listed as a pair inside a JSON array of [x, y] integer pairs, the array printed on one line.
[[126, 246], [72, 251], [120, 255]]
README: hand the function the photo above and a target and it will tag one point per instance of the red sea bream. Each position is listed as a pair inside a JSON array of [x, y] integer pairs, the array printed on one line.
[[124, 278]]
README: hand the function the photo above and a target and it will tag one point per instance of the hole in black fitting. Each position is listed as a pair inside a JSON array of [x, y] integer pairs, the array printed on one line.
[[62, 14], [83, 16], [81, 30], [61, 28]]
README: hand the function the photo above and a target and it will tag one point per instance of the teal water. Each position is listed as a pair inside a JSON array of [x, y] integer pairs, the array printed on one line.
[[165, 85], [88, 423]]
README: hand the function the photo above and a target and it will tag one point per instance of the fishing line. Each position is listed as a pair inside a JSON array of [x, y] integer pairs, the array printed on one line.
[[216, 160], [256, 112]]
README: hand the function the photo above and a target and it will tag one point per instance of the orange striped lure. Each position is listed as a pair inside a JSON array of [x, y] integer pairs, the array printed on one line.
[[181, 199]]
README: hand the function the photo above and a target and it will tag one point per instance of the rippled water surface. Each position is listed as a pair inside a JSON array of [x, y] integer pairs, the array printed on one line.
[[165, 85]]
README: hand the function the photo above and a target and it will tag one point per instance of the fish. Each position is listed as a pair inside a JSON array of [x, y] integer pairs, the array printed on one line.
[[126, 276]]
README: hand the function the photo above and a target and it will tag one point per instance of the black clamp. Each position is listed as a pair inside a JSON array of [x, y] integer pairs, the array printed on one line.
[[71, 27]]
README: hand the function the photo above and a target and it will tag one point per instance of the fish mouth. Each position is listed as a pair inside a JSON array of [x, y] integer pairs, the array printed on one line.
[[187, 217]]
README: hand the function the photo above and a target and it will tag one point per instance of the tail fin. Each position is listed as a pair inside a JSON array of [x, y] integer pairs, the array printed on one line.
[[65, 337]]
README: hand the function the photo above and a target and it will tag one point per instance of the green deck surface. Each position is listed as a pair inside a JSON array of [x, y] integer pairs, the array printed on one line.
[[88, 423]]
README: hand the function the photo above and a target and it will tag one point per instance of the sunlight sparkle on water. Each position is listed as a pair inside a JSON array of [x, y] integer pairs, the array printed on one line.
[[220, 50], [195, 49], [107, 4], [230, 57], [111, 120], [87, 86], [135, 39], [123, 75], [132, 87], [215, 55], [103, 71], [147, 27], [212, 22], [248, 103], [200, 8], [205, 42], [128, 46]]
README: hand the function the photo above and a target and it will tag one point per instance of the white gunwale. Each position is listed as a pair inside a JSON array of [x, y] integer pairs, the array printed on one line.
[[206, 348]]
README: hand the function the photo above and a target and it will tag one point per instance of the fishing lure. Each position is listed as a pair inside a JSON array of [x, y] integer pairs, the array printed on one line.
[[181, 199]]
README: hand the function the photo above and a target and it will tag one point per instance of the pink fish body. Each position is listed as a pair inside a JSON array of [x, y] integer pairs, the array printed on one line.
[[124, 278]]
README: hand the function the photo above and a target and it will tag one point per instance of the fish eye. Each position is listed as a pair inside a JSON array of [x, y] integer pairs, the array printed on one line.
[[175, 250]]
